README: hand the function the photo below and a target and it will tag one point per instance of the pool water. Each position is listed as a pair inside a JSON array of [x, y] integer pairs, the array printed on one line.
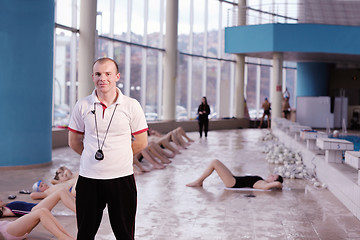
[[352, 138]]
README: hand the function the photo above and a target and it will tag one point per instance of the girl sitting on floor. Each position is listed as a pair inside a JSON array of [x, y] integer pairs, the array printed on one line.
[[19, 229]]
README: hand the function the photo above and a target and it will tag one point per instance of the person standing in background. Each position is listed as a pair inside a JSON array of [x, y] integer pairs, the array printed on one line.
[[267, 107], [286, 105], [204, 111]]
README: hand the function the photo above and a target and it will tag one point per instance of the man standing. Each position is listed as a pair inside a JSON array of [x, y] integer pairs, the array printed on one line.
[[285, 104], [100, 130], [266, 106]]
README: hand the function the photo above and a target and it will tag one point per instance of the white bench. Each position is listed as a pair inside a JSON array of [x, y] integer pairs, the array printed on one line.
[[333, 148], [352, 158], [310, 138]]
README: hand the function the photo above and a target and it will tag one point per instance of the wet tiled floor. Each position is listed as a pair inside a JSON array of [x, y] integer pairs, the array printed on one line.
[[167, 209]]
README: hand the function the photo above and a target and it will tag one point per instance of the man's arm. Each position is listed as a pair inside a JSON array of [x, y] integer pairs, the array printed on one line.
[[139, 143], [76, 142]]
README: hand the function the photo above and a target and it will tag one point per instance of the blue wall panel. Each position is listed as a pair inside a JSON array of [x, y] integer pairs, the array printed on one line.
[[26, 64], [317, 38], [312, 79]]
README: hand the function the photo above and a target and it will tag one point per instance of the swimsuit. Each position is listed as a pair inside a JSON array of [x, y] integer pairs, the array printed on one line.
[[20, 208], [6, 235], [267, 112], [246, 181]]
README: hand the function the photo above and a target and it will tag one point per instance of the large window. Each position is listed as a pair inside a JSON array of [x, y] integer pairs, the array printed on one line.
[[133, 32], [135, 73], [201, 43], [211, 86], [197, 84], [251, 90], [121, 19], [152, 92], [65, 55], [182, 88]]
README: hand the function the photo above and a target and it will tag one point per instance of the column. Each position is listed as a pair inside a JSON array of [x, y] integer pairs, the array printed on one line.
[[276, 85], [170, 60], [239, 85], [86, 46], [240, 67], [26, 63]]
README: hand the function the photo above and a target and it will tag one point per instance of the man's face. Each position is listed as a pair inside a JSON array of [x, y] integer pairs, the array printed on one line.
[[105, 76]]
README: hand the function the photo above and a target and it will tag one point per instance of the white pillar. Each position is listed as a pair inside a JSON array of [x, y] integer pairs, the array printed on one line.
[[240, 67], [242, 12], [239, 85], [170, 60], [276, 96], [86, 46]]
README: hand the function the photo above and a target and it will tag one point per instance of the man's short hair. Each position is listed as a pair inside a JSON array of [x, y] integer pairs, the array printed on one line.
[[105, 59], [280, 179]]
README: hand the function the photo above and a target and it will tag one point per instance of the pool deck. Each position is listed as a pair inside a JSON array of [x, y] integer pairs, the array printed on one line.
[[167, 209], [341, 179]]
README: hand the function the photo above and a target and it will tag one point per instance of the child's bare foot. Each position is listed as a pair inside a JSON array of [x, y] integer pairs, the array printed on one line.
[[145, 170], [166, 161], [194, 184], [159, 166], [137, 172]]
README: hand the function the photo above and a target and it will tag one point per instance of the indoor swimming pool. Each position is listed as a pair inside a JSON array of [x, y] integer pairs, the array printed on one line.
[[355, 139]]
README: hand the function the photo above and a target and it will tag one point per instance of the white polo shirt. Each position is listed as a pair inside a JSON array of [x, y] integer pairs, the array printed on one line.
[[129, 119]]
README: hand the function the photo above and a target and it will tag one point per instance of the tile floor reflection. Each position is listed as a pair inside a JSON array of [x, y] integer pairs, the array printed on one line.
[[167, 209]]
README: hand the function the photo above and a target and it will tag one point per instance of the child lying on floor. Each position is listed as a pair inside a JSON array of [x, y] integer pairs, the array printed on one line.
[[231, 181]]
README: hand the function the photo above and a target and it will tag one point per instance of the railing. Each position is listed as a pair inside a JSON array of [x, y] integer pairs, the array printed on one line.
[[334, 12]]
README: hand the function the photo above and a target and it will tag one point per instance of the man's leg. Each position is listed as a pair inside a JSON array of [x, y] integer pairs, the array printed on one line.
[[122, 197], [90, 204]]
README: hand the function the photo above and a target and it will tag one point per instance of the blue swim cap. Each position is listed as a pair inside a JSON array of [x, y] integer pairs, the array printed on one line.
[[36, 186]]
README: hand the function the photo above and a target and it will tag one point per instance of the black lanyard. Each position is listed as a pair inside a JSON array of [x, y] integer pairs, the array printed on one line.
[[99, 155]]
